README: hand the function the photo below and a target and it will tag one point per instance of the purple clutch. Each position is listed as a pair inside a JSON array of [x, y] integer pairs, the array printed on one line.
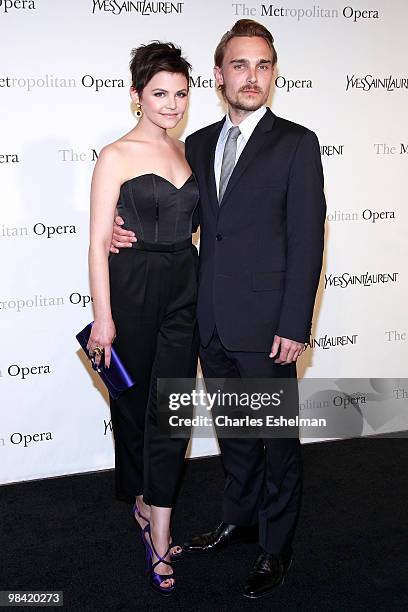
[[116, 378]]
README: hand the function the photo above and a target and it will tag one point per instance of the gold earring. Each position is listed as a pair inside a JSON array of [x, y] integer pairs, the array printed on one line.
[[138, 112]]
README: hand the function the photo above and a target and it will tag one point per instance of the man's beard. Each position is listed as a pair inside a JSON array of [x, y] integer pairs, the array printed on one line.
[[244, 105]]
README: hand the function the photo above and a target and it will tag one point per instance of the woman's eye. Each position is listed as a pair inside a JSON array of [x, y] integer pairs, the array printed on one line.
[[182, 94], [159, 94]]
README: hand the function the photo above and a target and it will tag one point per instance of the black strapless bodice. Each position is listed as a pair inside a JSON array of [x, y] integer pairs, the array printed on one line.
[[156, 210]]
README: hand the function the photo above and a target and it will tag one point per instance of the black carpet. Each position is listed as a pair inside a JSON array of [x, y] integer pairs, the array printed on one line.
[[71, 534]]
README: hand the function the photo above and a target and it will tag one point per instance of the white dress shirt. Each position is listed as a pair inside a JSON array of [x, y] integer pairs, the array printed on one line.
[[246, 127]]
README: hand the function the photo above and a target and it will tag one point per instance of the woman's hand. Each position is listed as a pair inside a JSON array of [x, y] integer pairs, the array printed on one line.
[[102, 335]]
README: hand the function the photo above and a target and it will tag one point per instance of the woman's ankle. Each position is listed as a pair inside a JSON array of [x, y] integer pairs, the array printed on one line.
[[142, 507], [160, 534]]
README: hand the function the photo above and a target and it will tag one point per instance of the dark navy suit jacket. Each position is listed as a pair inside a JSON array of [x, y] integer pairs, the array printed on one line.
[[261, 250]]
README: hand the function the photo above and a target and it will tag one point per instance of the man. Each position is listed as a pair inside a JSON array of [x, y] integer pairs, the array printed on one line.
[[262, 211]]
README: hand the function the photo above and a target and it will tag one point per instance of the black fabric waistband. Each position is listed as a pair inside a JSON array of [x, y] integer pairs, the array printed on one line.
[[170, 247]]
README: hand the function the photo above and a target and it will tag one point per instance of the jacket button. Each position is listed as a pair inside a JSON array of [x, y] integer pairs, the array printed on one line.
[[218, 237]]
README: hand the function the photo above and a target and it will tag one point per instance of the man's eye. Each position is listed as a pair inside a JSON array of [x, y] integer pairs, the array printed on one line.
[[238, 66], [264, 66]]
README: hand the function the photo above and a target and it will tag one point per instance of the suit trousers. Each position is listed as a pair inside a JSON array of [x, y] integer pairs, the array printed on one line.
[[153, 291], [263, 482]]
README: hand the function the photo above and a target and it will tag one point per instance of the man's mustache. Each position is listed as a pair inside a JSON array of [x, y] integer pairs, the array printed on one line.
[[251, 88]]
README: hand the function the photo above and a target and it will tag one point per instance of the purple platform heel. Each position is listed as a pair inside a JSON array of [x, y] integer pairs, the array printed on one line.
[[173, 555], [155, 578]]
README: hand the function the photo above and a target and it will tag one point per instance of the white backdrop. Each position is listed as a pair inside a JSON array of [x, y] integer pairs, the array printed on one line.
[[64, 94]]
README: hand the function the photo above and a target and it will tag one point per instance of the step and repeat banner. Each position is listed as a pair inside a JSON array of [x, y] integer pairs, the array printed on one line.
[[64, 92]]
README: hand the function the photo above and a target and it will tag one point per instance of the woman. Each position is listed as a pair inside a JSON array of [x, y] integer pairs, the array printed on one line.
[[145, 297]]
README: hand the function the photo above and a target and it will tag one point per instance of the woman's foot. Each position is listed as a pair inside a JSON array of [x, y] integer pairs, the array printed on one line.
[[142, 516], [160, 551]]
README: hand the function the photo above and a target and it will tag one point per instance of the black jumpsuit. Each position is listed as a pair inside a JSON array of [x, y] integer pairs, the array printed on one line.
[[153, 290]]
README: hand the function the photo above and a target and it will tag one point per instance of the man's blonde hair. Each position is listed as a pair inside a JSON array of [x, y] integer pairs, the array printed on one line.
[[244, 27]]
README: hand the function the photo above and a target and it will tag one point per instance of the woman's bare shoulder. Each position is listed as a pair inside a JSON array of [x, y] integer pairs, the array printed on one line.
[[120, 152], [122, 146], [110, 151]]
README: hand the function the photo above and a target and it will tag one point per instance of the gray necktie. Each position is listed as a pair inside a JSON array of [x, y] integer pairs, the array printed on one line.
[[228, 160]]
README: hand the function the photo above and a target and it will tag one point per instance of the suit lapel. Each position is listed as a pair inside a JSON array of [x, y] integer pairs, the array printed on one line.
[[209, 155], [250, 151]]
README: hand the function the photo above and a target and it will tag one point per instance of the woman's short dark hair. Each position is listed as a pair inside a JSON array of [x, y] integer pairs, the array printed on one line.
[[148, 60]]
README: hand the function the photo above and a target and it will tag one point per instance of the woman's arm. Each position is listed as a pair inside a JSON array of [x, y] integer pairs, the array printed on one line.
[[106, 181]]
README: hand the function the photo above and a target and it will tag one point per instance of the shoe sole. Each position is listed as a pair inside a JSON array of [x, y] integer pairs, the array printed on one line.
[[272, 592]]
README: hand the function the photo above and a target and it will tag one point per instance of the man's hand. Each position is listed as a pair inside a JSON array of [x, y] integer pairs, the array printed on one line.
[[289, 350], [121, 237]]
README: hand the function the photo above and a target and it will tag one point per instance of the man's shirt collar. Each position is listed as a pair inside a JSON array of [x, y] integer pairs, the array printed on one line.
[[246, 126]]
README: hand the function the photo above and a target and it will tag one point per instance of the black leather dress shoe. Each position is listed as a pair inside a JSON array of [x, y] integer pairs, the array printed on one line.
[[223, 535], [268, 572]]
